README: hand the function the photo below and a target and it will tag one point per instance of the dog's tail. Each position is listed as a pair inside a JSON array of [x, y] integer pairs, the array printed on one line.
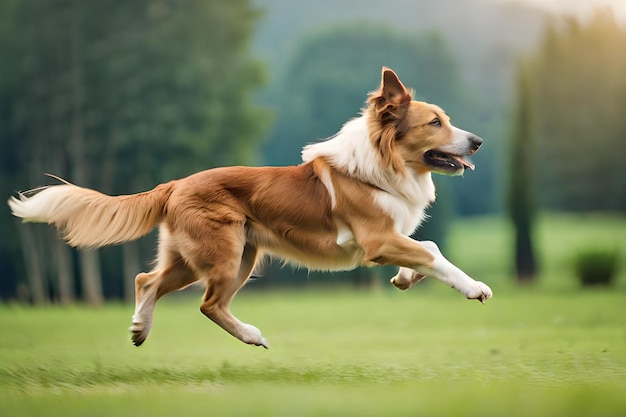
[[88, 218]]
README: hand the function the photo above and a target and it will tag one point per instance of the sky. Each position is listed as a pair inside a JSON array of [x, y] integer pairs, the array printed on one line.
[[577, 7]]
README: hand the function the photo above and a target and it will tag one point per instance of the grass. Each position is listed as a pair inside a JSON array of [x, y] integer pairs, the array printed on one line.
[[340, 353], [482, 246], [550, 350]]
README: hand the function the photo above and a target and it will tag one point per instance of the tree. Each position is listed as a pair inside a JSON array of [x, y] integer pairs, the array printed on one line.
[[581, 95], [569, 129], [521, 190], [120, 95]]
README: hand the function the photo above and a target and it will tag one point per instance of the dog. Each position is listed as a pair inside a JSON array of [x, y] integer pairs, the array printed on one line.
[[353, 201]]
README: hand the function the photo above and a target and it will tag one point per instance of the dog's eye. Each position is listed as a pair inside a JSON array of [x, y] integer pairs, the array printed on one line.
[[435, 122]]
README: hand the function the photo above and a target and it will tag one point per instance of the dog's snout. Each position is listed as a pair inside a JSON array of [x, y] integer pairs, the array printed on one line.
[[475, 142]]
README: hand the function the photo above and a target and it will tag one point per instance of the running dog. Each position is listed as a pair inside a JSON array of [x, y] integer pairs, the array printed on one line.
[[353, 201]]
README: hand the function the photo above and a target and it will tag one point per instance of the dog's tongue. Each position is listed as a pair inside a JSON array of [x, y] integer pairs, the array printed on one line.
[[463, 162]]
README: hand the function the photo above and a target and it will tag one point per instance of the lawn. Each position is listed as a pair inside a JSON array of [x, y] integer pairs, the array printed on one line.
[[482, 246], [426, 352], [548, 350]]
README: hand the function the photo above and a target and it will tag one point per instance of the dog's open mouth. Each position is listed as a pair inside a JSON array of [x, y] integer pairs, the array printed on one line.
[[446, 163]]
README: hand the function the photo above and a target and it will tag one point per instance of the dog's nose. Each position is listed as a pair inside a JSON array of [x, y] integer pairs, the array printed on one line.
[[475, 142]]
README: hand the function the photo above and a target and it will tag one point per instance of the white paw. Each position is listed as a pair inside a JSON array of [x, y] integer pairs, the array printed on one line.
[[139, 332], [400, 283], [252, 336], [479, 291], [406, 278], [264, 343]]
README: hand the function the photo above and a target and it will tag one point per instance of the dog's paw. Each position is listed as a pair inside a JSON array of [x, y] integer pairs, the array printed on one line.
[[479, 291], [139, 333], [401, 284], [252, 336], [405, 279], [263, 342]]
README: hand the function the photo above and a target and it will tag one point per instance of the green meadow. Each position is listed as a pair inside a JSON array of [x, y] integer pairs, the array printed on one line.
[[549, 350]]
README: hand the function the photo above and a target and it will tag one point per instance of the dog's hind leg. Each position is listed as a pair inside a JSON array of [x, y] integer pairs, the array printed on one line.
[[149, 287], [170, 274], [223, 282]]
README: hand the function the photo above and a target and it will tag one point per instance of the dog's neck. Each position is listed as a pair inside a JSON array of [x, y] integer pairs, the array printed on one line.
[[350, 151]]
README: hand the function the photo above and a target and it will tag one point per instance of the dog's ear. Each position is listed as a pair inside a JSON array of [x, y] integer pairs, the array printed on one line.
[[392, 88], [391, 96], [389, 104]]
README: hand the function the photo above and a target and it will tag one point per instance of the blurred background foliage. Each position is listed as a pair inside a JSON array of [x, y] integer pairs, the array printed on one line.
[[120, 96]]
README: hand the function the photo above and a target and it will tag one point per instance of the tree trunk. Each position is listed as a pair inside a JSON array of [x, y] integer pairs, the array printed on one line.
[[64, 271], [91, 277], [131, 269], [33, 262], [89, 259], [521, 194], [525, 264]]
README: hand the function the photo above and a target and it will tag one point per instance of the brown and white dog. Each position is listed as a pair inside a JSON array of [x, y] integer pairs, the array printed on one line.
[[353, 201]]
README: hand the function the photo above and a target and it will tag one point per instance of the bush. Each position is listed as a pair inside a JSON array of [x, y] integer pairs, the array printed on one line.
[[596, 267]]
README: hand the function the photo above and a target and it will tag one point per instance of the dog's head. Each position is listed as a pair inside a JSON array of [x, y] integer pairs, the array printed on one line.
[[415, 134]]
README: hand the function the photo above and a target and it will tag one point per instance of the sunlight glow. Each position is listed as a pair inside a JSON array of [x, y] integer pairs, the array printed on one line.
[[575, 7]]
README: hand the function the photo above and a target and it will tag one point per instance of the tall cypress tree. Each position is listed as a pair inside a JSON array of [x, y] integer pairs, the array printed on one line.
[[580, 91], [521, 192]]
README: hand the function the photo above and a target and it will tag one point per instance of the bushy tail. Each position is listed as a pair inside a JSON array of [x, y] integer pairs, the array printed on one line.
[[88, 218]]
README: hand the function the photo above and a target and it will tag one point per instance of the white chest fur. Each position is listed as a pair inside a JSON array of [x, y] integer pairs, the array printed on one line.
[[407, 209], [403, 197]]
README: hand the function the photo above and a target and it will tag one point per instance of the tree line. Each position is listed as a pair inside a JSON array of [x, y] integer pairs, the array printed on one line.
[[116, 96], [569, 131], [120, 96]]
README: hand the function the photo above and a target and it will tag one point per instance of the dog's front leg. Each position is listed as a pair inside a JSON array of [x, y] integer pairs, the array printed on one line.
[[448, 273], [419, 259]]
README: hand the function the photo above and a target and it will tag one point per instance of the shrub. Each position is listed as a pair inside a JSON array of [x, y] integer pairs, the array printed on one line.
[[596, 266]]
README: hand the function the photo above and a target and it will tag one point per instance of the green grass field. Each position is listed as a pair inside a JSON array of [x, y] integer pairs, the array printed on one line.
[[482, 246], [333, 353], [550, 350]]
